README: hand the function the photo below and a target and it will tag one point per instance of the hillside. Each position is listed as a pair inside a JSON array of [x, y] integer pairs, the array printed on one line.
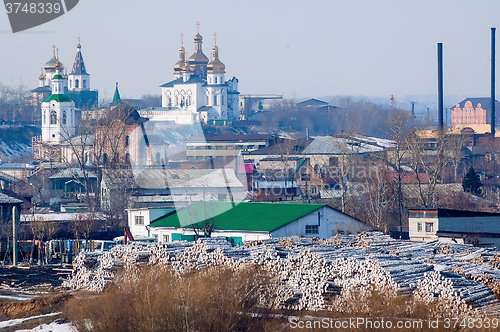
[[15, 142]]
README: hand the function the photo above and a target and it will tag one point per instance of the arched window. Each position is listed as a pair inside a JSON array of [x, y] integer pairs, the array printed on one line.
[[157, 157], [105, 158], [127, 159], [44, 117], [70, 81], [215, 100], [127, 140], [53, 117], [77, 83], [84, 84], [176, 99], [64, 117]]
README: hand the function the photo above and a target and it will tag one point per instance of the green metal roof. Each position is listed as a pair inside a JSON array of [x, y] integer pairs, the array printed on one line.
[[59, 98], [58, 77], [247, 216], [116, 97]]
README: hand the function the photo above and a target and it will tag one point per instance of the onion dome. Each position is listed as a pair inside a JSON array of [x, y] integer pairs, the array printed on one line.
[[215, 66], [51, 64], [42, 76], [180, 65]]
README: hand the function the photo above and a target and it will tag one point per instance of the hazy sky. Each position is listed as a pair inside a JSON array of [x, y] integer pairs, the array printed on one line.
[[296, 48]]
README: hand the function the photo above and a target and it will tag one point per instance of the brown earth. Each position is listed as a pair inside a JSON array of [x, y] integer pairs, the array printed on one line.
[[30, 281]]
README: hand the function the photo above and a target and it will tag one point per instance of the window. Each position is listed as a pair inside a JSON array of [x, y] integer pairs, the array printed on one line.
[[165, 238], [429, 227], [77, 83], [53, 117], [64, 118], [419, 227], [84, 84], [314, 190], [127, 140], [139, 220], [312, 229], [127, 158], [44, 117]]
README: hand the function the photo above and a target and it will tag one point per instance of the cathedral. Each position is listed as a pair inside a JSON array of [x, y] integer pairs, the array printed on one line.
[[199, 91], [76, 85], [60, 98]]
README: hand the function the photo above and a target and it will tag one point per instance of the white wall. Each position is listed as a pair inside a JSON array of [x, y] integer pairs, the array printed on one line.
[[416, 235], [331, 222], [149, 214]]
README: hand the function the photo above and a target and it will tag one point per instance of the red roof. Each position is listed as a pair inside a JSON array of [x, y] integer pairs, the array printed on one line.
[[409, 178]]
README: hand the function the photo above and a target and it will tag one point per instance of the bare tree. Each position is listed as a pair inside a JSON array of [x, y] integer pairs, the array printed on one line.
[[397, 128], [379, 201], [429, 157], [42, 230]]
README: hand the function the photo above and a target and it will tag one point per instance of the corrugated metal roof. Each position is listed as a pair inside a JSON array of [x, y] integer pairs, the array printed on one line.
[[73, 172], [339, 145], [5, 199], [245, 216], [186, 178]]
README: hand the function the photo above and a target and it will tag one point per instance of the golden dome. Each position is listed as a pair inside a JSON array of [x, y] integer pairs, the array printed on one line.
[[215, 66]]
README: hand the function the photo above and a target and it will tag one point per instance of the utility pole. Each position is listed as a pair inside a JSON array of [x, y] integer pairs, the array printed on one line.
[[413, 109], [14, 236]]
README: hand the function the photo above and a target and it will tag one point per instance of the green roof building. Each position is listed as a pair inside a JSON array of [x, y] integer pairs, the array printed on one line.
[[250, 221]]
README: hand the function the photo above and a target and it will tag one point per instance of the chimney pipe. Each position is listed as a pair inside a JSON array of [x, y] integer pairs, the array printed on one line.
[[493, 84], [440, 86]]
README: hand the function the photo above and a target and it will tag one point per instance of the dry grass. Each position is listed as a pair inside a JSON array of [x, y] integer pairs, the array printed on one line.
[[221, 299], [214, 299]]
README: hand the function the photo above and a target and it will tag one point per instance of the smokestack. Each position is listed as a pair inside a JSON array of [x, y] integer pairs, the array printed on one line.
[[493, 84], [440, 86]]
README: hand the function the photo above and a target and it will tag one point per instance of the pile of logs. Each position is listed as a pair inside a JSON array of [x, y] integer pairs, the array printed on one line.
[[311, 274]]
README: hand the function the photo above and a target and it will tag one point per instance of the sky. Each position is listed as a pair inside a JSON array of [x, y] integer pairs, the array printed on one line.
[[300, 49]]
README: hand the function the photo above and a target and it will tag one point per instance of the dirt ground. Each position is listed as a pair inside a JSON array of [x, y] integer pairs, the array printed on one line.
[[32, 277], [39, 285]]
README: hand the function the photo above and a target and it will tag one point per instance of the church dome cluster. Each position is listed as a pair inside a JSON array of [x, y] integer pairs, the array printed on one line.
[[199, 86]]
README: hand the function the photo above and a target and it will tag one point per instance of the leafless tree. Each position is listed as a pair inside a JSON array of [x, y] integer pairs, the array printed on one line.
[[429, 157], [83, 226], [397, 127], [42, 230]]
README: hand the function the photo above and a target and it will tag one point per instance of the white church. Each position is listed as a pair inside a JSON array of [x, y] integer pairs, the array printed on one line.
[[199, 91], [58, 112]]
